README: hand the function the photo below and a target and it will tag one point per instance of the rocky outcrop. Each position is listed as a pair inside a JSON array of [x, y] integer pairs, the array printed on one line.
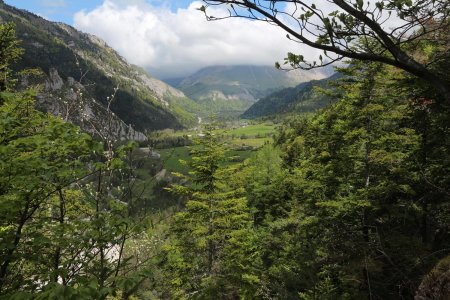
[[64, 53], [159, 87], [436, 285], [72, 102]]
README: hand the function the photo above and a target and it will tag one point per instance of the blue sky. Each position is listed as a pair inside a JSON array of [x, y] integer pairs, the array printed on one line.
[[169, 38], [64, 10]]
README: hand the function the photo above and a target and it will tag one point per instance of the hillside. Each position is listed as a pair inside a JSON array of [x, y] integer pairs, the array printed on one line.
[[236, 88], [72, 61], [300, 99], [339, 191]]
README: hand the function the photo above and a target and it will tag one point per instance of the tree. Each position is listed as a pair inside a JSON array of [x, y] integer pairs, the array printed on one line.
[[9, 53], [368, 217], [66, 202], [40, 156], [213, 250], [265, 185], [377, 31]]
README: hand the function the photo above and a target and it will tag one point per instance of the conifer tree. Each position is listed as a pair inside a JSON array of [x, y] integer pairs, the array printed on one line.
[[213, 249]]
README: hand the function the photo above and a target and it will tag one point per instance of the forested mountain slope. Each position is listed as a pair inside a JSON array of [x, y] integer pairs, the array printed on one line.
[[350, 202], [223, 88], [300, 99], [77, 63]]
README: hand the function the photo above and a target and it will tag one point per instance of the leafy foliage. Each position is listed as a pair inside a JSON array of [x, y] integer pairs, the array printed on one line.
[[351, 202], [213, 250], [66, 204], [353, 29], [10, 53], [355, 173]]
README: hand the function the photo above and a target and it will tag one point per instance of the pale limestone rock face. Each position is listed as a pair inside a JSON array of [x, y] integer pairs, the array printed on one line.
[[159, 87], [69, 100], [54, 81], [219, 95], [97, 40]]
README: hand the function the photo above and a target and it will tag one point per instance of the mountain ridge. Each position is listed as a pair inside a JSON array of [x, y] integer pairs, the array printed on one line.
[[237, 87], [303, 98], [140, 101]]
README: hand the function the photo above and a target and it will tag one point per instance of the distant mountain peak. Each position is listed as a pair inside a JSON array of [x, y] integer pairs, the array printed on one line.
[[237, 87]]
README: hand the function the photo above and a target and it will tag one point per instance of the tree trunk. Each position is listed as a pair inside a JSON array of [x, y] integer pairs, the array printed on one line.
[[8, 257], [57, 254]]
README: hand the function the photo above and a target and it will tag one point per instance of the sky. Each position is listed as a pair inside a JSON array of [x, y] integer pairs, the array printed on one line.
[[169, 38]]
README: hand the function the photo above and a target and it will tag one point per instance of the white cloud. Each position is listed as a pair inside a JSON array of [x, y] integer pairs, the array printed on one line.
[[390, 20], [178, 43]]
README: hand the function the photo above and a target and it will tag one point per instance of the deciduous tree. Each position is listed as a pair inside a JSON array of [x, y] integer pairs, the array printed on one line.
[[377, 31]]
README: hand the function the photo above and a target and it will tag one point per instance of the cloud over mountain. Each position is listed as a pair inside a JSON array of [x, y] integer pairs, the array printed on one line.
[[176, 43]]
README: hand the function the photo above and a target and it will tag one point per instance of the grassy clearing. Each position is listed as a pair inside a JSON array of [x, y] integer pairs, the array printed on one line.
[[171, 158], [252, 142], [249, 130], [240, 141], [253, 136]]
